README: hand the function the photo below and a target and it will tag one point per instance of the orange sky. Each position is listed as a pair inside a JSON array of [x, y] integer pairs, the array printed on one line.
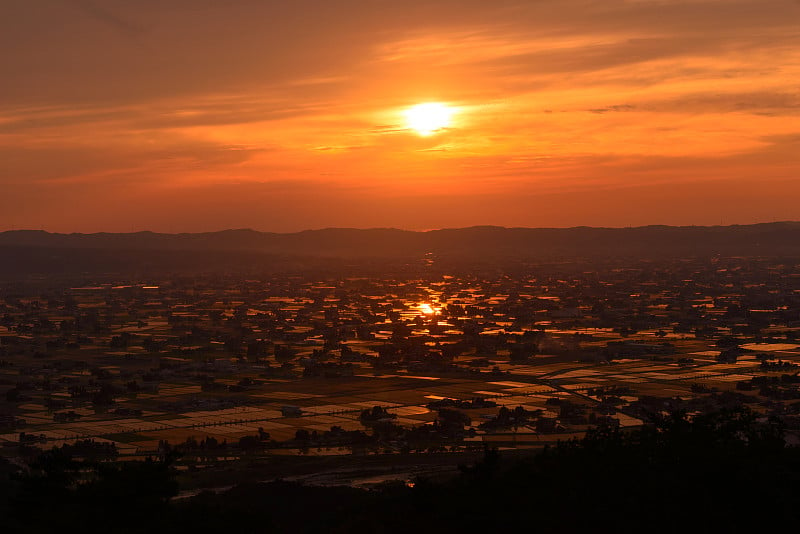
[[195, 115]]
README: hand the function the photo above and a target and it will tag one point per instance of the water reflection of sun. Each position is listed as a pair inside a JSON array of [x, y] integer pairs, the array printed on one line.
[[427, 309]]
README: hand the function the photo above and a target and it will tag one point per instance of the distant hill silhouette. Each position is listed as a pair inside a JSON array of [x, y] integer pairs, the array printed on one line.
[[39, 251]]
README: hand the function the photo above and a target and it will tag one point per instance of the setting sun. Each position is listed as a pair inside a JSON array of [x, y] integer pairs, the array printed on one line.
[[427, 119]]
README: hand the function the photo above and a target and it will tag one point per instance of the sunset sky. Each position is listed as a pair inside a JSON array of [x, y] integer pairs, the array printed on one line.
[[197, 115]]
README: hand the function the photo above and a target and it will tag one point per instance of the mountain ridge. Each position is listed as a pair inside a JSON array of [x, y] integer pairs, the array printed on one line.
[[12, 236], [37, 251]]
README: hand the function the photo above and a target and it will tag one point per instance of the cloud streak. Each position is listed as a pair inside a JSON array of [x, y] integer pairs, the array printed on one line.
[[106, 17]]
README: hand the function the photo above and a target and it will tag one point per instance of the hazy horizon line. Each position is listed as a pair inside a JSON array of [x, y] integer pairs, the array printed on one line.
[[420, 231]]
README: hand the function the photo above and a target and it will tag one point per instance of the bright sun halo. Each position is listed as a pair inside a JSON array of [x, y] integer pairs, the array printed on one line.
[[427, 119]]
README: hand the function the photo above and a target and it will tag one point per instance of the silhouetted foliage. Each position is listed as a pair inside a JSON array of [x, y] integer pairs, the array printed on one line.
[[726, 472]]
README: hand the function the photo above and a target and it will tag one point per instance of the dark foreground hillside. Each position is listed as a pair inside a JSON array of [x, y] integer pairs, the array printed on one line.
[[727, 472]]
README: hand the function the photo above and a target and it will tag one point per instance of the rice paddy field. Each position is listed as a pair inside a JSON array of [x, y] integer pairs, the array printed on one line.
[[140, 364], [324, 403]]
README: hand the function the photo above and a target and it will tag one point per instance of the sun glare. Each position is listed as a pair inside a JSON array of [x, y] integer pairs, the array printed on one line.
[[427, 309], [429, 118]]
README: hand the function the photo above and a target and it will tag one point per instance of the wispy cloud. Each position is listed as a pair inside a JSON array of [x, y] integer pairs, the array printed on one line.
[[106, 16]]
